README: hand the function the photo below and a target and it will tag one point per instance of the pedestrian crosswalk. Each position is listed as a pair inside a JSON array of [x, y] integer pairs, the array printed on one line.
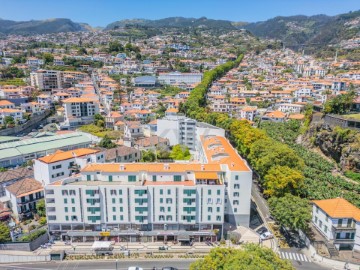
[[293, 256]]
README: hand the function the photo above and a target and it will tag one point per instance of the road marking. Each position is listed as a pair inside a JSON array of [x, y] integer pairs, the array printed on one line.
[[293, 256], [297, 257]]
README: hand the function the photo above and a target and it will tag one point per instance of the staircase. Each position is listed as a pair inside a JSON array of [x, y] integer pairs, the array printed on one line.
[[332, 250]]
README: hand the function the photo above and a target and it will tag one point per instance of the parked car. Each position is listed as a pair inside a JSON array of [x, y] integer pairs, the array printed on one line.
[[164, 248], [266, 235], [262, 230], [169, 268], [135, 268]]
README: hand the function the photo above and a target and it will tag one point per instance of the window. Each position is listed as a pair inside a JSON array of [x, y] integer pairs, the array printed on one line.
[[161, 200], [161, 191], [120, 192], [218, 201], [326, 218], [210, 209], [121, 209], [110, 178], [316, 219], [169, 191], [209, 201], [235, 202], [168, 200], [236, 177], [67, 218], [209, 191], [320, 224], [88, 177], [235, 210], [154, 178], [208, 218], [218, 218], [66, 209], [56, 167], [236, 186], [317, 210], [218, 209], [114, 209], [120, 200], [73, 209], [113, 200], [72, 200], [162, 209], [218, 192], [121, 217], [236, 194], [132, 178], [114, 217], [169, 209], [65, 200], [177, 178], [325, 229], [113, 192]]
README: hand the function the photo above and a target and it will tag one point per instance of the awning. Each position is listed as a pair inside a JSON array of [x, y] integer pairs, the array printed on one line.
[[101, 245], [183, 237]]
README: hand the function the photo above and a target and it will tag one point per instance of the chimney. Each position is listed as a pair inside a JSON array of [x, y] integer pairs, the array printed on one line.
[[122, 167], [202, 167], [166, 166], [232, 164]]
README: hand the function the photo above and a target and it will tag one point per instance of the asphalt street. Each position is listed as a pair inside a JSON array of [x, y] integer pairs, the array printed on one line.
[[100, 265]]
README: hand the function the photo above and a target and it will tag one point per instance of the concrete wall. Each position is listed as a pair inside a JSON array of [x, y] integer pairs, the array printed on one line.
[[7, 258], [26, 246]]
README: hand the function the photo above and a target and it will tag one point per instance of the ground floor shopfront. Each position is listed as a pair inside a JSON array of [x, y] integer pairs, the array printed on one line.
[[136, 233]]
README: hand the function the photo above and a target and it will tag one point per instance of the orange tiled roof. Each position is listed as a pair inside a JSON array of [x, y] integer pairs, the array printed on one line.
[[61, 155], [338, 208]]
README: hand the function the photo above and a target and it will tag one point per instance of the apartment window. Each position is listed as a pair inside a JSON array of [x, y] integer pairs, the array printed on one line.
[[161, 191], [110, 178], [72, 200], [168, 200], [161, 200], [64, 192], [320, 224], [88, 177], [169, 191], [317, 210], [120, 200], [154, 178], [209, 201], [236, 186], [316, 219], [162, 209], [113, 192], [325, 229], [113, 200], [121, 217], [326, 218], [235, 210], [65, 200], [209, 191], [132, 178], [66, 209], [235, 202], [209, 218], [67, 218], [236, 177], [114, 209], [114, 217], [121, 209], [218, 218], [56, 167], [177, 178], [73, 209], [120, 192], [218, 201], [218, 192], [236, 194], [210, 209], [217, 209]]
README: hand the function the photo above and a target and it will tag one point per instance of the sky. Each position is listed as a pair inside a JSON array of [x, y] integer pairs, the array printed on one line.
[[103, 12]]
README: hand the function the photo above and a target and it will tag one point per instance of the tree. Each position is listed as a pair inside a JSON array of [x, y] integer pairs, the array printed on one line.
[[48, 58], [340, 104], [291, 211], [106, 143], [99, 120], [40, 208], [180, 152], [115, 46], [282, 179], [251, 257], [148, 156], [4, 233]]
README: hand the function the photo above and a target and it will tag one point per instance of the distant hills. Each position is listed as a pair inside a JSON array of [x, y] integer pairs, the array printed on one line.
[[174, 22], [293, 31], [41, 27], [318, 30]]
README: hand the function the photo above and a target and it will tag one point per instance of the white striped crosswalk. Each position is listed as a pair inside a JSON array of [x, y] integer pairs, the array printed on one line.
[[293, 256]]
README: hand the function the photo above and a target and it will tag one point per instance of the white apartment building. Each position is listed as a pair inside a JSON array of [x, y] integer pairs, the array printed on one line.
[[62, 164], [182, 130], [173, 78], [16, 114], [290, 108], [79, 111], [153, 201], [302, 92], [338, 221], [248, 113], [46, 80]]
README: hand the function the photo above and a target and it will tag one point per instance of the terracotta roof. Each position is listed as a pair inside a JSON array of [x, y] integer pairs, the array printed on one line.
[[275, 114], [61, 155], [25, 187], [339, 208], [297, 116], [70, 100], [206, 175]]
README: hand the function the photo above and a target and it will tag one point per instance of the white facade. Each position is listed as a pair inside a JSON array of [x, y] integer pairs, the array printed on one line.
[[178, 78], [290, 108], [79, 111]]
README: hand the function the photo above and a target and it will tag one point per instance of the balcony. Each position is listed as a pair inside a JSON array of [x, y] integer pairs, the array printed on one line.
[[337, 227], [344, 240]]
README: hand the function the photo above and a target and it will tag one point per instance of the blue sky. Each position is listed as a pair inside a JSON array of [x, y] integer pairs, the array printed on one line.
[[103, 12]]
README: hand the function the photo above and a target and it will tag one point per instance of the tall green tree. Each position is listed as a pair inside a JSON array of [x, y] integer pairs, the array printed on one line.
[[40, 208], [48, 58], [107, 143], [180, 152], [4, 233], [280, 180], [251, 257], [291, 211]]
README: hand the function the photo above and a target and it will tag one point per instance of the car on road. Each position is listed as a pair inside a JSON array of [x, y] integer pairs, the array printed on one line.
[[164, 248], [266, 235], [134, 268], [169, 268], [262, 230]]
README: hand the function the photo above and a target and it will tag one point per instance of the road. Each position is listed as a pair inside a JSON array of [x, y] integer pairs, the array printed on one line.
[[148, 264]]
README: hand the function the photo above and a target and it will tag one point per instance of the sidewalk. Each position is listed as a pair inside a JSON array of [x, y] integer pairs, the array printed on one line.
[[334, 264]]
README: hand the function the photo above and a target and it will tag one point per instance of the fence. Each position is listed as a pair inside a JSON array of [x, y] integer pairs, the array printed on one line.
[[9, 258], [26, 246]]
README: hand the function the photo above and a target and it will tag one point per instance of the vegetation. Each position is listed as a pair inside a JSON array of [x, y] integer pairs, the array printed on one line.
[[32, 236], [352, 175], [12, 72], [40, 208], [100, 131], [14, 81], [251, 257], [4, 233], [340, 104], [106, 143], [180, 152], [291, 211]]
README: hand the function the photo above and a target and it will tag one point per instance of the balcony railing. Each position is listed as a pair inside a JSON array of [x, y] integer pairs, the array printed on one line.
[[344, 227], [344, 240]]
